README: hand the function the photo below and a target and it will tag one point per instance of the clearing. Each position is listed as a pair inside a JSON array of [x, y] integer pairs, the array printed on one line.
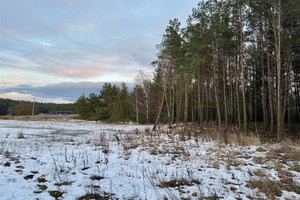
[[74, 159]]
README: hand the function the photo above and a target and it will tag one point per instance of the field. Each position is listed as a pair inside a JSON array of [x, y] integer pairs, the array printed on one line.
[[72, 159]]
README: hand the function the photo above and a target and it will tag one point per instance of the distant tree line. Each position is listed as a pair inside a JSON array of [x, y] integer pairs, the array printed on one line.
[[14, 107], [237, 62]]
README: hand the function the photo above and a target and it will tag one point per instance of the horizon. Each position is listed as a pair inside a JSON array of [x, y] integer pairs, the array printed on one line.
[[57, 50], [69, 89]]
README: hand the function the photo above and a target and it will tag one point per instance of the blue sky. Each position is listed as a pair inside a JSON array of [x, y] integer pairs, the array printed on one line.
[[55, 50]]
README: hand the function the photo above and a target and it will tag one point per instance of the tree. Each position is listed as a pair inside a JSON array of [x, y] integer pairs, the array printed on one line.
[[144, 82]]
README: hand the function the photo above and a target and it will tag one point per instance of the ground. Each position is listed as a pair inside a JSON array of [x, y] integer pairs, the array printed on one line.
[[75, 159]]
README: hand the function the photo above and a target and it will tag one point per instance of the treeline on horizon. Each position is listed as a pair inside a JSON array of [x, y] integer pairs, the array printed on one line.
[[17, 108], [236, 62]]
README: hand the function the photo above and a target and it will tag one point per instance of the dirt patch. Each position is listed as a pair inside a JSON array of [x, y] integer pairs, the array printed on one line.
[[96, 178], [29, 177], [56, 194], [41, 180], [42, 187]]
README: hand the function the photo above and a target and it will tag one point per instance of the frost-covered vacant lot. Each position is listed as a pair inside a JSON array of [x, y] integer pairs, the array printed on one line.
[[88, 160]]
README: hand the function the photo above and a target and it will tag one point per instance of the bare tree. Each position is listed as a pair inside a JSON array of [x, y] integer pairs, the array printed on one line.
[[145, 82]]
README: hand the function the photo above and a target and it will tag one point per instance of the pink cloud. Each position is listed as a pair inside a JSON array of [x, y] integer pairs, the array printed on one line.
[[96, 66], [79, 72], [9, 84]]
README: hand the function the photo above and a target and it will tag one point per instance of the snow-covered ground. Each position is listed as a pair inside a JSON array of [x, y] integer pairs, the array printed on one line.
[[42, 159]]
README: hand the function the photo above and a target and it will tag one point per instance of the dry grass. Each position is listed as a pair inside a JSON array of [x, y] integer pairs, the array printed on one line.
[[270, 188], [216, 164], [227, 136], [259, 160], [271, 154], [260, 149], [56, 194], [287, 183], [278, 166], [93, 196], [177, 183], [260, 173], [295, 168]]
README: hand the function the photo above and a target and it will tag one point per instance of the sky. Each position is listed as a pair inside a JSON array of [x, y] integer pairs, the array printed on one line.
[[57, 50]]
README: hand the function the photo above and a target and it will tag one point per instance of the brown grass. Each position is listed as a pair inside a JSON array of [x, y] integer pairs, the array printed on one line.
[[93, 196], [278, 166], [288, 184], [271, 188], [260, 173], [259, 160], [295, 168], [272, 154], [175, 183], [227, 136]]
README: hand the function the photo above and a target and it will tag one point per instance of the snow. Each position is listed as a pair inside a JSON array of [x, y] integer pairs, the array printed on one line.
[[131, 162]]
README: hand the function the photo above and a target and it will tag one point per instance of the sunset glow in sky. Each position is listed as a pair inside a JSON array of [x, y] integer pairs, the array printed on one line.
[[55, 50]]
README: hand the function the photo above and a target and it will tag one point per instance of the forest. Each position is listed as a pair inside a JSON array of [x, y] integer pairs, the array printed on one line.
[[14, 107], [235, 63]]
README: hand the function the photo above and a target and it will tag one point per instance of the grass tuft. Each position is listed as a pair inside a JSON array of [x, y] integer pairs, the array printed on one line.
[[271, 188], [175, 183], [93, 196], [56, 194]]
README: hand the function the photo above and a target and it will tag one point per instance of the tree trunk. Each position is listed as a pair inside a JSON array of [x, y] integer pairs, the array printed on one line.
[[173, 105], [199, 96], [178, 111], [286, 92], [270, 79], [160, 109], [243, 71], [216, 82], [137, 105], [237, 90], [203, 99], [168, 110], [207, 102], [185, 102], [224, 92], [277, 37], [147, 109], [264, 103]]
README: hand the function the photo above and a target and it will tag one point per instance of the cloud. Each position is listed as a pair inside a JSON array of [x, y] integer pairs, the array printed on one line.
[[65, 91], [79, 72], [30, 97], [48, 42]]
